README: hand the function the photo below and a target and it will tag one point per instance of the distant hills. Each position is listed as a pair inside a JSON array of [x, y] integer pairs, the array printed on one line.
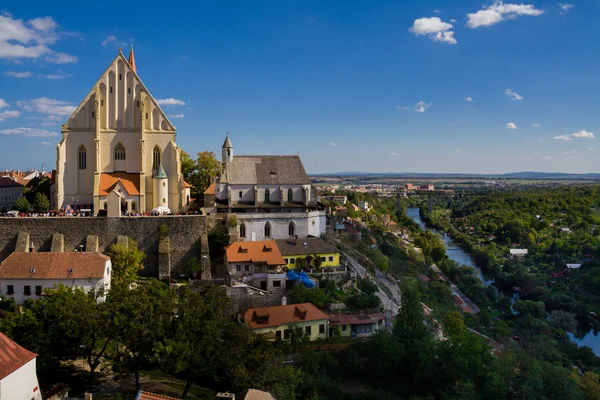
[[527, 175]]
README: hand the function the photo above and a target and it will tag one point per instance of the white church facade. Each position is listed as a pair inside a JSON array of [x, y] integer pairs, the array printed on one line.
[[119, 147], [271, 196]]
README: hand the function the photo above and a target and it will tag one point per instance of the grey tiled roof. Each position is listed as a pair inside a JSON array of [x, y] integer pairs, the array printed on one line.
[[313, 246], [265, 170]]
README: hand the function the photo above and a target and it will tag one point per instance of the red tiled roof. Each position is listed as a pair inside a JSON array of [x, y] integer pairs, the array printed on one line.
[[263, 251], [131, 183], [142, 395], [212, 188], [282, 315], [12, 356], [7, 182], [355, 319], [53, 265], [186, 184]]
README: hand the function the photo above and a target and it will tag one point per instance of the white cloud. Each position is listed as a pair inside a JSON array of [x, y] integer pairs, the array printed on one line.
[[547, 158], [55, 118], [58, 75], [437, 11], [112, 39], [591, 149], [455, 150], [45, 105], [3, 104], [511, 125], [24, 74], [514, 95], [31, 39], [333, 144], [583, 134], [453, 20], [536, 125], [435, 29], [28, 132], [46, 144], [541, 139], [176, 115], [43, 24], [469, 99], [498, 12], [564, 7], [394, 154], [170, 102], [9, 114], [421, 106]]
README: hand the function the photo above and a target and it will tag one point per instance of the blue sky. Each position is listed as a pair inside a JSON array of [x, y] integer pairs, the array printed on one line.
[[381, 86]]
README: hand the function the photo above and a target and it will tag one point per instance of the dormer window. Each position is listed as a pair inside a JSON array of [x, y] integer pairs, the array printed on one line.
[[267, 249], [242, 250]]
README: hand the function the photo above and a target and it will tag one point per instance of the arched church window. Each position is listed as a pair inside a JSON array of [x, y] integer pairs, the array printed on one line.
[[290, 195], [82, 153], [120, 152], [267, 195], [242, 230], [267, 229], [291, 229], [155, 158]]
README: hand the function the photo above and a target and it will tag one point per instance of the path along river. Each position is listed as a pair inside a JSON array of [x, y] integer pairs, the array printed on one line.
[[453, 250], [456, 253]]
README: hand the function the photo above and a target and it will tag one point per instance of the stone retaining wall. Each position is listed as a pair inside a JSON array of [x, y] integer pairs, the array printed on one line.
[[187, 237]]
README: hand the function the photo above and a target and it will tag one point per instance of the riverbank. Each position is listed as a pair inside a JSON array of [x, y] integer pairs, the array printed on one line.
[[454, 251]]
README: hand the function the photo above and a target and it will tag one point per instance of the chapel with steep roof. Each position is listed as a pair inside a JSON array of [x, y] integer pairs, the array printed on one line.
[[119, 141]]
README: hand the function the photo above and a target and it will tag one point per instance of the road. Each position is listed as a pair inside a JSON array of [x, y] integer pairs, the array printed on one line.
[[388, 304], [389, 283], [455, 289]]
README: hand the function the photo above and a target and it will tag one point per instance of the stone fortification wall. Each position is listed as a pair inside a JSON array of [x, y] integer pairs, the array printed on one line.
[[187, 237]]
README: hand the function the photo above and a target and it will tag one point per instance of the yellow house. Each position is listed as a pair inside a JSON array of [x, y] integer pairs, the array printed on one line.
[[293, 250], [282, 320]]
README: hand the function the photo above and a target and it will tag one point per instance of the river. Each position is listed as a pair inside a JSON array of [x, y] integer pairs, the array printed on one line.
[[456, 253], [453, 250]]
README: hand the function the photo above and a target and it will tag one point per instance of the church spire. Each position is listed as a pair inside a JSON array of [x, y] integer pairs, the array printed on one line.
[[132, 58]]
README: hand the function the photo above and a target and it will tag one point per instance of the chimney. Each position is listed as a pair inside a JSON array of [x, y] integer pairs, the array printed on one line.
[[31, 247], [87, 396], [296, 236]]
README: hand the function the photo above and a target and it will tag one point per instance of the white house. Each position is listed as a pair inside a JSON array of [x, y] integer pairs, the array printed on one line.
[[272, 196], [364, 205], [18, 379], [26, 275], [573, 266], [10, 191], [518, 253]]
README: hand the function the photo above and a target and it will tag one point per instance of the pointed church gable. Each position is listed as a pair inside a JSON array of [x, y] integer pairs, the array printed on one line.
[[119, 101]]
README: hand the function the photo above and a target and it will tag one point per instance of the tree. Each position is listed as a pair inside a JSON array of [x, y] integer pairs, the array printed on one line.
[[197, 345], [454, 323], [76, 325], [142, 318], [188, 165], [22, 205], [204, 171], [589, 383], [409, 321], [42, 204], [126, 261]]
